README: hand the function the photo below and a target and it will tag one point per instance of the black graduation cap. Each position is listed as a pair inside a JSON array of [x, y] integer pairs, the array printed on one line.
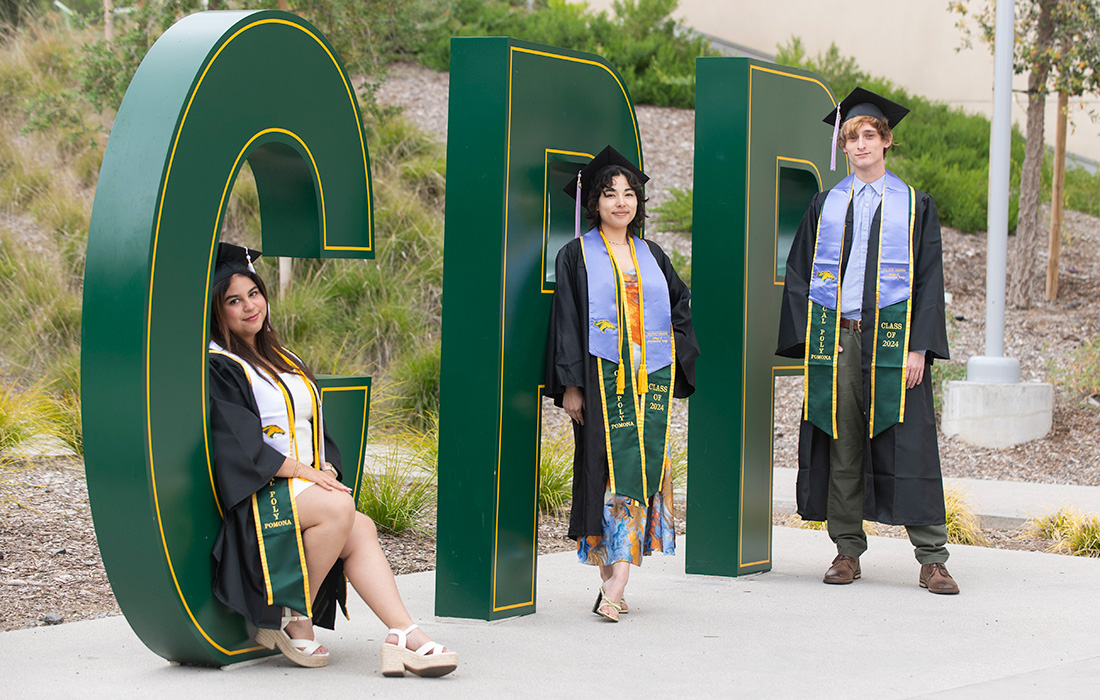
[[233, 260], [861, 102], [606, 157]]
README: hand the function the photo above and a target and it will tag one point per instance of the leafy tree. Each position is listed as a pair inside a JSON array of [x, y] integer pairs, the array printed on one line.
[[1058, 46], [107, 68]]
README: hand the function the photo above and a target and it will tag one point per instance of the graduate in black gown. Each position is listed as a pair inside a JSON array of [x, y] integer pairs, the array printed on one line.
[[612, 290], [870, 246], [291, 532]]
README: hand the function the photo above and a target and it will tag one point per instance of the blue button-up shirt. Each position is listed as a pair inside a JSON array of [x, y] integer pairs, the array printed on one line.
[[865, 202]]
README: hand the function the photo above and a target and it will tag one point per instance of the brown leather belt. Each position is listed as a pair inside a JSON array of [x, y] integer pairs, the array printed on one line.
[[854, 324]]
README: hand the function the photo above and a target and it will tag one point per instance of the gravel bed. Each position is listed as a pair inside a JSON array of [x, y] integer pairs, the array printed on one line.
[[50, 568]]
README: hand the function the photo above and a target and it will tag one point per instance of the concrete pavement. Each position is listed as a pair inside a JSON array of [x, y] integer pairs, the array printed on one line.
[[1025, 625]]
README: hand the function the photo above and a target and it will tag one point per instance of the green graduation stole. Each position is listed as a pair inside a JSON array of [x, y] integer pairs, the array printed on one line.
[[893, 307], [635, 410], [274, 509], [282, 555]]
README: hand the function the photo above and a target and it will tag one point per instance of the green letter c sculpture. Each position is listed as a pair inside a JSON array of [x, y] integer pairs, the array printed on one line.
[[217, 89]]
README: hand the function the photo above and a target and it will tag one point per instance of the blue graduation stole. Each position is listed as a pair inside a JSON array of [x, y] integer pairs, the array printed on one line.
[[893, 308]]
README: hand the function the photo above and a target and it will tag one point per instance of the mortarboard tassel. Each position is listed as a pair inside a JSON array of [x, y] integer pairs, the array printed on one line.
[[836, 132], [577, 222], [248, 257]]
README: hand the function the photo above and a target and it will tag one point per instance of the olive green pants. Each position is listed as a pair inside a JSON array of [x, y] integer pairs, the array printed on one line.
[[847, 480]]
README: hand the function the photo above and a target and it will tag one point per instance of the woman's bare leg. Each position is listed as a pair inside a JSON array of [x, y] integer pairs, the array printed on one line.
[[615, 585], [326, 519], [369, 572]]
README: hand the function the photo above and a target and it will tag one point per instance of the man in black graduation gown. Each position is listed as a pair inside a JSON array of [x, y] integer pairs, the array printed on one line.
[[893, 476]]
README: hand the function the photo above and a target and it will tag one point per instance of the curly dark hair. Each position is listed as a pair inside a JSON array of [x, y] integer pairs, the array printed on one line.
[[601, 182]]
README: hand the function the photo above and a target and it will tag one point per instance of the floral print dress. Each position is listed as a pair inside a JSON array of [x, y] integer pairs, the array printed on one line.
[[633, 529]]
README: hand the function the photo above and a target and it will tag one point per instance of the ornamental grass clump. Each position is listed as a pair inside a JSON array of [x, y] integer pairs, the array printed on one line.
[[23, 421], [678, 457], [395, 492], [63, 404], [415, 386], [1072, 532], [24, 418], [963, 526], [795, 520], [556, 472]]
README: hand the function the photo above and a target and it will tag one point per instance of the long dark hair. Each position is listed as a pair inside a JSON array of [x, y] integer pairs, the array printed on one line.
[[601, 182], [269, 350]]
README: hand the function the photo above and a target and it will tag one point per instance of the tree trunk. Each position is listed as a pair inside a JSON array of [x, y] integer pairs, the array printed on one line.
[[108, 21], [1057, 198], [1026, 281], [286, 274]]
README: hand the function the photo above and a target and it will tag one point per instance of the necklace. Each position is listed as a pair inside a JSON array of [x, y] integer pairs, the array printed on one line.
[[619, 245]]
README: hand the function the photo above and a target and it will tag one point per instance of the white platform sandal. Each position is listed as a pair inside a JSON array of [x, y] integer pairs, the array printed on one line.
[[429, 661], [301, 651]]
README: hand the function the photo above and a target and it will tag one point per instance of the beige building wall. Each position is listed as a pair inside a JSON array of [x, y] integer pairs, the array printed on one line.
[[910, 42]]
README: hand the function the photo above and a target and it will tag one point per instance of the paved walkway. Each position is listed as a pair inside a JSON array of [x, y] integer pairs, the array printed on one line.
[[1000, 504], [1025, 626]]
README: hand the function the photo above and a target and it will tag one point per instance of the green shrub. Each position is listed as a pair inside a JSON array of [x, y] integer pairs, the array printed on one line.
[[1083, 191], [1081, 374], [653, 53], [944, 371], [682, 264], [368, 36], [106, 70], [675, 213]]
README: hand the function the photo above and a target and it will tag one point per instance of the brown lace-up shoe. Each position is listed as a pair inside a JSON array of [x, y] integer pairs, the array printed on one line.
[[845, 569], [935, 578]]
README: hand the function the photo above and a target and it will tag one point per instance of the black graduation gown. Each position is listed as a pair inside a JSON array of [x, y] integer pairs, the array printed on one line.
[[243, 464], [568, 363], [902, 464]]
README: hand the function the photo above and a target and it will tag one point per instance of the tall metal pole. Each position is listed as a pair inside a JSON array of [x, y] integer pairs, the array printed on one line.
[[994, 367]]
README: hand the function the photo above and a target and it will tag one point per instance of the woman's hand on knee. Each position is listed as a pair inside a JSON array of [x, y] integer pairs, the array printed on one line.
[[325, 479]]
